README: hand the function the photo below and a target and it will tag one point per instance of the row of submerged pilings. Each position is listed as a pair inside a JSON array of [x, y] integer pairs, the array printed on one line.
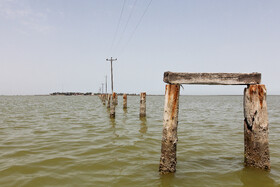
[[111, 100]]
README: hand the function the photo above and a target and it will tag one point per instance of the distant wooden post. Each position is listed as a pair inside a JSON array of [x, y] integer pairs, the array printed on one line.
[[256, 148], [114, 98], [168, 158], [109, 100], [142, 104], [103, 99], [112, 107], [124, 101]]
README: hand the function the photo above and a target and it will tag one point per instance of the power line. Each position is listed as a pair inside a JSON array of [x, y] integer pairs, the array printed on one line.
[[118, 26], [129, 17], [140, 20]]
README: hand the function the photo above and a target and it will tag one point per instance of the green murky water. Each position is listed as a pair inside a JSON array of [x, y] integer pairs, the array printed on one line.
[[71, 141]]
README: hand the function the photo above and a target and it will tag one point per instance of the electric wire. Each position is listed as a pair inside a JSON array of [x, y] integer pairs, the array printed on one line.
[[136, 27], [129, 17], [118, 26]]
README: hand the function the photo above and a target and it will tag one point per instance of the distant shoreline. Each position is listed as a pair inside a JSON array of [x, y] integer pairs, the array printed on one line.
[[129, 95]]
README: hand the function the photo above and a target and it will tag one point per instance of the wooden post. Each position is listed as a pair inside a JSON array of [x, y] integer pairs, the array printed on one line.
[[124, 101], [168, 158], [256, 148], [112, 107], [109, 100], [142, 104], [114, 98], [103, 99]]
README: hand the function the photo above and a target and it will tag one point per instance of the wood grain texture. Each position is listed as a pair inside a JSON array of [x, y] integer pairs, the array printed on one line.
[[212, 78]]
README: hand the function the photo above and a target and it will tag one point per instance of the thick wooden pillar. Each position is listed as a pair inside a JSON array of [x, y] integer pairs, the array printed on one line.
[[168, 158], [124, 101], [256, 148], [142, 104]]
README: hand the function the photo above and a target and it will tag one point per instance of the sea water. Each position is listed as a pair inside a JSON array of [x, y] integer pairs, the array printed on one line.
[[71, 141]]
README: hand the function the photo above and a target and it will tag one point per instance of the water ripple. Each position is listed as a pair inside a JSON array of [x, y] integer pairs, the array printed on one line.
[[71, 141]]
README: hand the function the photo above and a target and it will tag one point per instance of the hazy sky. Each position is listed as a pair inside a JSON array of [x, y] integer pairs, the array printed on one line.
[[61, 45]]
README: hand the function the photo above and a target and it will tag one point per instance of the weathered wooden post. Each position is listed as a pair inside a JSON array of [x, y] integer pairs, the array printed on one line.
[[114, 98], [256, 148], [109, 100], [142, 104], [112, 107], [124, 101], [168, 158], [103, 99]]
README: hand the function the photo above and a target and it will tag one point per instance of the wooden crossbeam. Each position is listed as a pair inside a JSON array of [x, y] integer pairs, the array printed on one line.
[[212, 78]]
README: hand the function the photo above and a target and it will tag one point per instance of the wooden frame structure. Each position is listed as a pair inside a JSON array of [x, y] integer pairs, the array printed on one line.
[[256, 147]]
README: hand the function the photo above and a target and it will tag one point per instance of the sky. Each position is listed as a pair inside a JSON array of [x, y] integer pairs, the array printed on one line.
[[62, 45]]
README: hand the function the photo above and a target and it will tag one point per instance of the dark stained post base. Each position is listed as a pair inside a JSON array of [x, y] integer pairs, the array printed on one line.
[[168, 158], [256, 147]]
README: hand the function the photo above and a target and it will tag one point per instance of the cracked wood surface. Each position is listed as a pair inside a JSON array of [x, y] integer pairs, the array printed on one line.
[[212, 78], [168, 158], [256, 147]]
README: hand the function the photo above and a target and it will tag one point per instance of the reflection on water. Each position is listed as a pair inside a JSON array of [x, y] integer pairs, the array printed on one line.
[[143, 128], [255, 177], [72, 141], [167, 180]]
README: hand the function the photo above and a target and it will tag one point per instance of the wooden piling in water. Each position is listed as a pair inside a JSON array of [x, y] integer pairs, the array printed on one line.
[[108, 100], [114, 98], [103, 99], [142, 104], [168, 158], [112, 106], [124, 101], [256, 147]]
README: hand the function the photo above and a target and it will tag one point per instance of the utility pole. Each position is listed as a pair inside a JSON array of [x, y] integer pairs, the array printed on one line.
[[102, 87], [111, 59], [106, 84]]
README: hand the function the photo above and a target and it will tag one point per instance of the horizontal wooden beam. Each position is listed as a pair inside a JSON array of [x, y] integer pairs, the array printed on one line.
[[212, 78]]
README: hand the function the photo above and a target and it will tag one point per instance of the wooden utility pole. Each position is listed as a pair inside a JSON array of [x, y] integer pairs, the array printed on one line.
[[106, 84], [111, 60]]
